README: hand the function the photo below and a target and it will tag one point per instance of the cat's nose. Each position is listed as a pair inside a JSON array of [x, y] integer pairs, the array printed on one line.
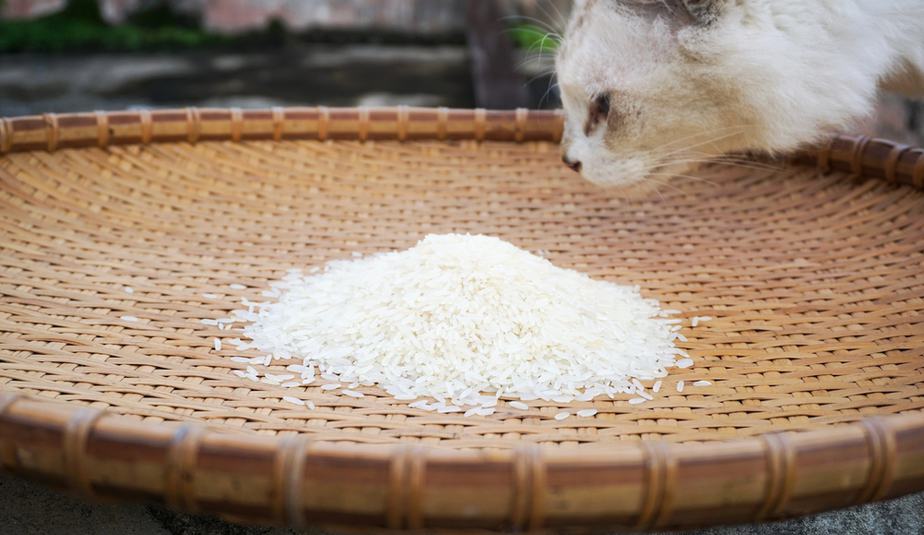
[[574, 165]]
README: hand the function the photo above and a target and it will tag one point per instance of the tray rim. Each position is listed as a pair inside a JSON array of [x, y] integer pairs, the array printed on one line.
[[887, 452]]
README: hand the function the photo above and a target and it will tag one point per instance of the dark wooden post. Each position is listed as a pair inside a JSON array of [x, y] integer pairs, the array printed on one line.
[[497, 84]]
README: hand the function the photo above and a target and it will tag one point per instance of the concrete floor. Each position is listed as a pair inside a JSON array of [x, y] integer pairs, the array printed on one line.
[[27, 508]]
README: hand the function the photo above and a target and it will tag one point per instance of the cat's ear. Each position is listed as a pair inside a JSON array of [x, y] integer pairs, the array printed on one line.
[[704, 11]]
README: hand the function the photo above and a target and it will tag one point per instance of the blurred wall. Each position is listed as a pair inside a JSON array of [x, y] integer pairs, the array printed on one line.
[[231, 16], [411, 16], [23, 9], [405, 16]]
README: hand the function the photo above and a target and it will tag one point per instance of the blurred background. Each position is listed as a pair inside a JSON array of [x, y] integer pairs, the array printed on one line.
[[80, 55]]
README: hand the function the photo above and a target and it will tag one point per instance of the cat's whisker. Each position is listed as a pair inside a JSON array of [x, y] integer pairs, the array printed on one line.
[[534, 78], [654, 185], [731, 131], [700, 144], [731, 162], [655, 173], [746, 164], [664, 184], [535, 55], [541, 50], [757, 164], [542, 25], [718, 133], [543, 72], [743, 164], [558, 17], [537, 52], [685, 177], [635, 190], [714, 130], [552, 85]]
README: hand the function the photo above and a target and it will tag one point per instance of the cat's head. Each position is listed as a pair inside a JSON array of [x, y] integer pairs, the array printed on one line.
[[650, 87]]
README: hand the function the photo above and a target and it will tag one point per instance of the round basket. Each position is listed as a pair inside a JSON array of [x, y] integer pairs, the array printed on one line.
[[122, 231]]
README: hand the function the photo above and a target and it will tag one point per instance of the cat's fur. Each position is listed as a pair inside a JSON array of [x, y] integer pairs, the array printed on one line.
[[683, 80]]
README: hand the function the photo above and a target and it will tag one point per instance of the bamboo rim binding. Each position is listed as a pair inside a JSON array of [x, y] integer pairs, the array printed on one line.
[[299, 481], [860, 155], [413, 479]]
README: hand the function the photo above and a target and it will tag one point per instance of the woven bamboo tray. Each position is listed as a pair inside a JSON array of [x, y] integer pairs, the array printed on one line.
[[812, 273]]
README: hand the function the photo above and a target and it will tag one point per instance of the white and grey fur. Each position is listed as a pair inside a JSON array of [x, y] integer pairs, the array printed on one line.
[[650, 87]]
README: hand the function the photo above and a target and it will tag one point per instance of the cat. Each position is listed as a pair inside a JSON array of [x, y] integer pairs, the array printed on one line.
[[650, 88]]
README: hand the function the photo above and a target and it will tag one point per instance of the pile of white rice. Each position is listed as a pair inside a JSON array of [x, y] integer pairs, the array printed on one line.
[[460, 321]]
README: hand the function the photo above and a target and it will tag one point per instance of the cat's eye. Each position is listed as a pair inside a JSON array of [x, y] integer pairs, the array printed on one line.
[[599, 110], [600, 106]]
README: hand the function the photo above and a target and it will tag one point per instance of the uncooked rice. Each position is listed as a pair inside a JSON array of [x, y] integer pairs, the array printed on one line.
[[464, 320], [696, 320]]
